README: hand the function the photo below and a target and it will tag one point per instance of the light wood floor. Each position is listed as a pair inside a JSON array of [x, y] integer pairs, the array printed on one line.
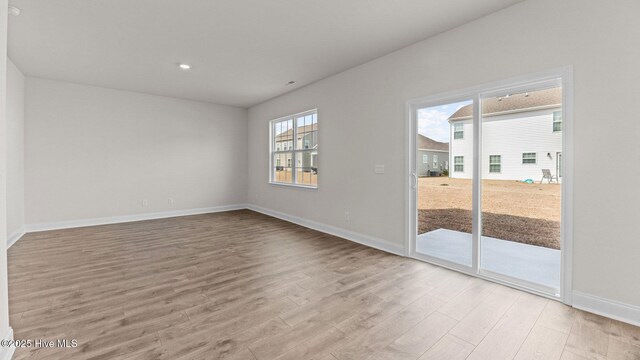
[[241, 285]]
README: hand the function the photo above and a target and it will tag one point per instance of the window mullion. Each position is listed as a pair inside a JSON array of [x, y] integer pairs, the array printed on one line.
[[294, 176]]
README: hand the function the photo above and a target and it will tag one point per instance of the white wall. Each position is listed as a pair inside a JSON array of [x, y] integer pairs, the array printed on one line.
[[367, 103], [4, 293], [15, 151], [93, 152]]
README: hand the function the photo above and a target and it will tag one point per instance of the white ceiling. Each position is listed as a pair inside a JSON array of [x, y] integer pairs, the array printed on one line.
[[242, 51]]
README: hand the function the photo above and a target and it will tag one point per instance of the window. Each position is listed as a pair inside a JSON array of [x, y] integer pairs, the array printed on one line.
[[435, 161], [529, 158], [425, 158], [495, 162], [294, 142], [458, 163], [458, 130], [557, 121]]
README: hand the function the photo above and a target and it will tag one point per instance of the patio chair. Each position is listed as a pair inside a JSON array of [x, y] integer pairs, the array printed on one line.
[[546, 174]]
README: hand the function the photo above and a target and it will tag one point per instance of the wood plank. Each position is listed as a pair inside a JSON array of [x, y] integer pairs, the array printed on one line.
[[450, 348], [460, 306], [421, 337], [589, 336], [477, 324], [506, 337], [619, 349], [542, 344], [558, 316], [387, 331], [242, 285]]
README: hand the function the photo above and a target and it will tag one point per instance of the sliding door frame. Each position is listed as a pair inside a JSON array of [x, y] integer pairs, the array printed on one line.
[[527, 82]]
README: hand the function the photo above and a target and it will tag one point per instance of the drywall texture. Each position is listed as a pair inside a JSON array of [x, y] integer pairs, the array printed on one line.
[[361, 116], [4, 289], [92, 152], [15, 150]]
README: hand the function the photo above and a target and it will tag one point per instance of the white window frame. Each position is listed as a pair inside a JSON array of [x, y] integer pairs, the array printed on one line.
[[535, 158], [456, 124], [456, 164], [556, 121], [425, 159], [499, 164], [435, 161], [292, 149]]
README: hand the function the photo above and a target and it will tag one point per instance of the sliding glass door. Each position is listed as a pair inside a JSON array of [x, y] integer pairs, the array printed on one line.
[[486, 183], [521, 198], [444, 182]]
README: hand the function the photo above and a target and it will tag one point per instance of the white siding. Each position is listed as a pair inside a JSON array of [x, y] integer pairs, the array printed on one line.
[[462, 147], [510, 136]]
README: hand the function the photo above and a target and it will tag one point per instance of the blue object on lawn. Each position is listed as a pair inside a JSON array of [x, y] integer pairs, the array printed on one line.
[[528, 181]]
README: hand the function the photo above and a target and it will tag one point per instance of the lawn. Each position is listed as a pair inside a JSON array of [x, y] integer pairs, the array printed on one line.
[[515, 211]]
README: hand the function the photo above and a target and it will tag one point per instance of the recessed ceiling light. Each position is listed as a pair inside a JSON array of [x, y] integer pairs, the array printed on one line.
[[185, 66], [290, 83], [14, 11]]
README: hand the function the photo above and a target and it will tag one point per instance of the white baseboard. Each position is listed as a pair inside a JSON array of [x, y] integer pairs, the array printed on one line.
[[15, 236], [7, 352], [609, 308], [345, 234], [129, 218]]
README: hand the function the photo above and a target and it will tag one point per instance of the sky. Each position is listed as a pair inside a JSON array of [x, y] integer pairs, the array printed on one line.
[[432, 121]]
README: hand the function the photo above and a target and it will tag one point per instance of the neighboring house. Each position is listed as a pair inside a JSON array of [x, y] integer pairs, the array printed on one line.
[[307, 139], [521, 135], [433, 156]]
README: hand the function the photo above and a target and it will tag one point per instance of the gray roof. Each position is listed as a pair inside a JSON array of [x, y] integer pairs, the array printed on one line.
[[425, 143], [514, 103]]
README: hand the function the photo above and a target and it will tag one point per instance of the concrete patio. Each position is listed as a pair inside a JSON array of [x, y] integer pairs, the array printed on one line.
[[535, 264]]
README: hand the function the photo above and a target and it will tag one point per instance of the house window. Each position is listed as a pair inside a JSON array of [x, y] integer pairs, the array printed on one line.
[[529, 158], [425, 158], [298, 135], [557, 121], [495, 162], [435, 161], [458, 130], [458, 163]]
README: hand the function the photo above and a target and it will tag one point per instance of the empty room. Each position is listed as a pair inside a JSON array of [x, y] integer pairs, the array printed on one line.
[[328, 180]]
